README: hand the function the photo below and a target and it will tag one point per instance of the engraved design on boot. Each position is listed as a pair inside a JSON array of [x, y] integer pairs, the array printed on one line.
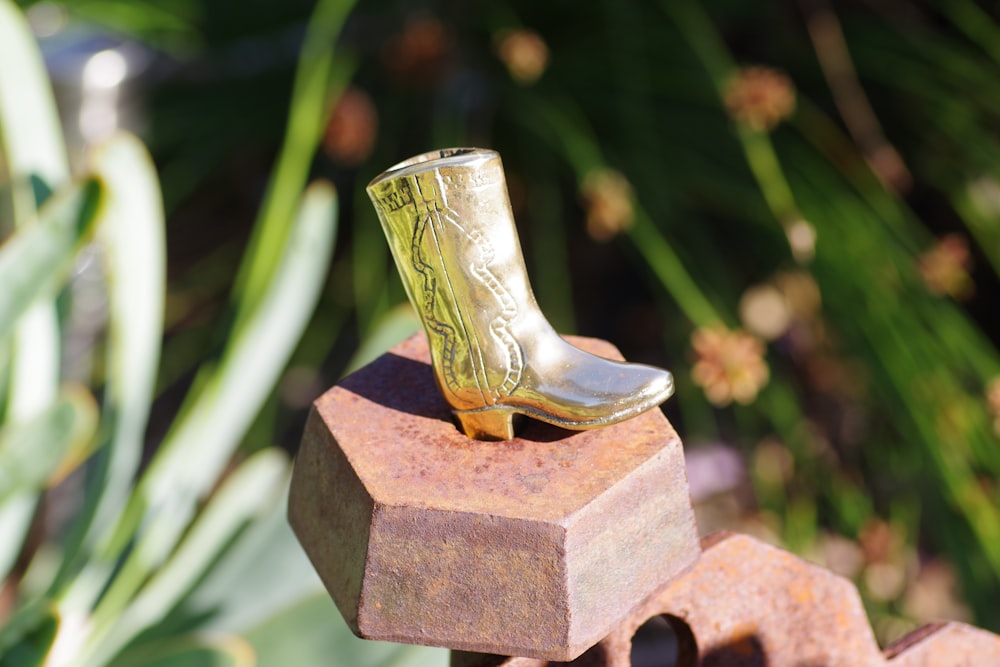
[[434, 219], [445, 331], [500, 326]]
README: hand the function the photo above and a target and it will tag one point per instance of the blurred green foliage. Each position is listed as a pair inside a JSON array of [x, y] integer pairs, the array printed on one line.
[[793, 206], [185, 558]]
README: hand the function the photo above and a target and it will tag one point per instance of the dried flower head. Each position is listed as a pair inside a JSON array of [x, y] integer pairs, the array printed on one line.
[[881, 541], [525, 54], [934, 595], [352, 128], [841, 555], [764, 311], [418, 55], [802, 240], [885, 581], [760, 97], [730, 364], [945, 267], [607, 196], [888, 559]]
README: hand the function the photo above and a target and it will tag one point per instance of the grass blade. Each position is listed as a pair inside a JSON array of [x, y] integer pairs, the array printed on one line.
[[317, 83]]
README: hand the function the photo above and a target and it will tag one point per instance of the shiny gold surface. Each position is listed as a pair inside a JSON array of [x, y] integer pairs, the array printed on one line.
[[448, 221]]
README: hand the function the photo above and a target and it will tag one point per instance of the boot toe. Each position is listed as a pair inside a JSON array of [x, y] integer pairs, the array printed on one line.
[[645, 388], [659, 387]]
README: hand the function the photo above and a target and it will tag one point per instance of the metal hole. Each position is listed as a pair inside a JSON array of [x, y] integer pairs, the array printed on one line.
[[664, 641]]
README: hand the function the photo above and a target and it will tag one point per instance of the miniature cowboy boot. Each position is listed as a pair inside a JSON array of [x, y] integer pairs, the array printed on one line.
[[447, 217]]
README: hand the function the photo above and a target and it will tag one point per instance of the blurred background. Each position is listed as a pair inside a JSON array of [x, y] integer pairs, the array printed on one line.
[[793, 206]]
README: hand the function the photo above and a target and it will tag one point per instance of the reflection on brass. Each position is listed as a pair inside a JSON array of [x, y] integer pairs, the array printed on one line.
[[449, 224]]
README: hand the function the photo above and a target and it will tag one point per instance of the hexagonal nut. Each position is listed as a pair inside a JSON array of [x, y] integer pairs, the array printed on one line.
[[536, 546]]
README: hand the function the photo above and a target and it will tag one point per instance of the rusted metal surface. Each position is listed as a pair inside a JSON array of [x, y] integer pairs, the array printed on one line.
[[747, 604], [536, 546], [946, 645]]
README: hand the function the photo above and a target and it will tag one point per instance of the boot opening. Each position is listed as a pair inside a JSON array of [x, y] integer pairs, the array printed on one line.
[[435, 157]]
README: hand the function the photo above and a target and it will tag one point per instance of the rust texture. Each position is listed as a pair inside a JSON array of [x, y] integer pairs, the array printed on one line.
[[946, 645], [537, 546], [748, 604]]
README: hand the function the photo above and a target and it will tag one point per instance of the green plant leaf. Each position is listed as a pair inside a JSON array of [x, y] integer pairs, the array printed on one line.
[[313, 633], [33, 157], [193, 651], [209, 432], [263, 572], [131, 231], [36, 451], [201, 442], [393, 327], [26, 637], [15, 520], [48, 446], [170, 26], [319, 79], [241, 591], [32, 141], [35, 259], [252, 489]]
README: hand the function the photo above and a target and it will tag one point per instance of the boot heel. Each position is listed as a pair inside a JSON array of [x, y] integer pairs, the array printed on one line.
[[487, 424]]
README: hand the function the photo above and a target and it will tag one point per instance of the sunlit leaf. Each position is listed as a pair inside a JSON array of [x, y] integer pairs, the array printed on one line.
[[192, 651], [15, 520], [201, 442], [48, 446], [131, 231], [32, 143], [312, 632], [251, 490], [26, 637], [209, 432], [393, 327], [33, 157], [35, 260], [241, 590], [319, 78]]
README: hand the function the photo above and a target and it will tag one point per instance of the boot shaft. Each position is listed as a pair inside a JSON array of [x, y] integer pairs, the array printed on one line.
[[449, 224]]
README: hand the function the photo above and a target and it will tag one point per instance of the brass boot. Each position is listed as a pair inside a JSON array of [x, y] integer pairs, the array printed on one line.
[[448, 220]]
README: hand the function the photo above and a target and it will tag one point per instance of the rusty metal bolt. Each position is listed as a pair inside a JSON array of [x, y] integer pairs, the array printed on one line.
[[748, 604], [537, 546]]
